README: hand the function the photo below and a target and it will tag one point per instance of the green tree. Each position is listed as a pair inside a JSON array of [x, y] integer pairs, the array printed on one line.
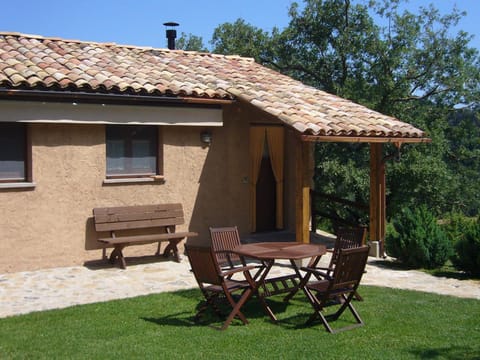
[[401, 63], [463, 158], [409, 68], [241, 38], [190, 42], [338, 47]]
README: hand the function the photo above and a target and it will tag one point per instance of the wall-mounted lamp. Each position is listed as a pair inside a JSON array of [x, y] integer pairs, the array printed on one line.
[[206, 137]]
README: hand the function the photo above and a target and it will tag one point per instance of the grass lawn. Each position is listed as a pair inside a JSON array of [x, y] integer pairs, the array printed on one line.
[[399, 325]]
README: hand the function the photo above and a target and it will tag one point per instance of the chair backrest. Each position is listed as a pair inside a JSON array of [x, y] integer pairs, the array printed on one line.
[[204, 264], [347, 238], [350, 267], [225, 239]]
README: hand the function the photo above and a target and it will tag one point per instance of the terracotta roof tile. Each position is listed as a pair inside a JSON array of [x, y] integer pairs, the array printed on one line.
[[33, 62]]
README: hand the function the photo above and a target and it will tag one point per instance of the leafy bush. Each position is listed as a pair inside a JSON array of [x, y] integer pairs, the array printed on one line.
[[467, 249], [455, 224], [416, 239]]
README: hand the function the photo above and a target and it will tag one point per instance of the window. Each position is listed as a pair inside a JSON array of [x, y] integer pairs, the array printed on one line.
[[14, 153], [132, 151]]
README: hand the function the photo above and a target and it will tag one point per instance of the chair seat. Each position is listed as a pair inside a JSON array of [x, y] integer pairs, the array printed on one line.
[[230, 284], [319, 286], [322, 287]]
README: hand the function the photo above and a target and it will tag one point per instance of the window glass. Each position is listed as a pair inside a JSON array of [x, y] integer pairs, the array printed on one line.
[[12, 152], [115, 159], [131, 150], [142, 158]]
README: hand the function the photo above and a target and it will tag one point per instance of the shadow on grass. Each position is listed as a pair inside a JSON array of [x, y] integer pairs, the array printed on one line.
[[178, 320], [295, 321], [188, 319], [252, 311], [301, 318], [449, 352]]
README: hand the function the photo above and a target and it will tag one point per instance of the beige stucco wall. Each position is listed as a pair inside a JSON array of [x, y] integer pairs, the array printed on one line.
[[51, 225]]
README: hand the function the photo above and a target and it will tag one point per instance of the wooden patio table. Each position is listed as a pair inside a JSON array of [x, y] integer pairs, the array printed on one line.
[[267, 253]]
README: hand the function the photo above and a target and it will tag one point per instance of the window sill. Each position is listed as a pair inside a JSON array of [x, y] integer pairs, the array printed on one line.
[[18, 185], [152, 179]]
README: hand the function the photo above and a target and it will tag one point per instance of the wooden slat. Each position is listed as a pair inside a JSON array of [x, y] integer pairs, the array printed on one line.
[[224, 240], [147, 238], [139, 208], [140, 224], [138, 215]]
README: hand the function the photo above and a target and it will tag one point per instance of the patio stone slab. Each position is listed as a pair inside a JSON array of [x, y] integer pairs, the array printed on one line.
[[25, 292]]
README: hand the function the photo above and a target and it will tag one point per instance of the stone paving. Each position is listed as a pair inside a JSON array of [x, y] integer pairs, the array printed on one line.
[[30, 291]]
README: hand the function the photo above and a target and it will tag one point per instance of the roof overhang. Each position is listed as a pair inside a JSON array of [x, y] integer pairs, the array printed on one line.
[[363, 139], [109, 98]]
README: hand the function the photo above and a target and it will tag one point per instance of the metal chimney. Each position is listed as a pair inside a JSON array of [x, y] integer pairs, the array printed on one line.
[[171, 34]]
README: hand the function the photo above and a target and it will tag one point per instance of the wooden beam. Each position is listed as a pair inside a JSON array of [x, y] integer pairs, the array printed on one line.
[[302, 191], [377, 196], [363, 139]]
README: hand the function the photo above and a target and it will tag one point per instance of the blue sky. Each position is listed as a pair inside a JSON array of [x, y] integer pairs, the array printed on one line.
[[140, 22]]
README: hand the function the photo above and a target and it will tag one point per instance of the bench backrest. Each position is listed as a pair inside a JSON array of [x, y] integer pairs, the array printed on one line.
[[138, 217]]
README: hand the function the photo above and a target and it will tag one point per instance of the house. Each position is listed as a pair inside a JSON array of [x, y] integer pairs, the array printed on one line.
[[86, 125]]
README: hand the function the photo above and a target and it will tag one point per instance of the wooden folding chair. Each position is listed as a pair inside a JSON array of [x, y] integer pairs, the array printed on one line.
[[347, 238], [224, 240], [341, 285], [216, 285]]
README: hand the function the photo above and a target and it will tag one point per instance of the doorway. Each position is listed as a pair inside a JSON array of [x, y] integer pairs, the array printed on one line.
[[266, 192], [267, 162]]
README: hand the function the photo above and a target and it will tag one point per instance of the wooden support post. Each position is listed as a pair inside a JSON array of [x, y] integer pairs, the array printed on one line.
[[377, 196], [302, 191]]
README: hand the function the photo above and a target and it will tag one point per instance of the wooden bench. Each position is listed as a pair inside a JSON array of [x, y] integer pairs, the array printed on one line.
[[127, 226]]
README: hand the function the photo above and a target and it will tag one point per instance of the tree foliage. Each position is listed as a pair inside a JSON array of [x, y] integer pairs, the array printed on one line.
[[190, 42], [467, 249], [242, 39], [410, 65], [463, 159]]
